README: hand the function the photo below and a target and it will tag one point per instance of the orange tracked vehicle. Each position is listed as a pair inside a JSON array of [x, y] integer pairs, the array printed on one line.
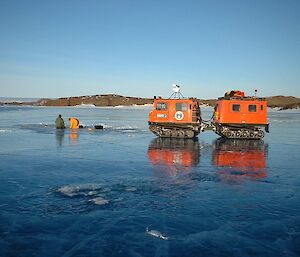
[[238, 116], [176, 116]]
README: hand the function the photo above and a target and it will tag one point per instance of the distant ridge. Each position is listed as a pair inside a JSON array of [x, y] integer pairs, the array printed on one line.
[[17, 99], [282, 102], [96, 100]]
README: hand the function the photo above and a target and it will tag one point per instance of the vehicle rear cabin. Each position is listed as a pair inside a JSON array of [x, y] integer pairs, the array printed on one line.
[[238, 116]]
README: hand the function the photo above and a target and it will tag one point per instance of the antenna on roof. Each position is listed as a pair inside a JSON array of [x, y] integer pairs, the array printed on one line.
[[255, 92], [176, 92]]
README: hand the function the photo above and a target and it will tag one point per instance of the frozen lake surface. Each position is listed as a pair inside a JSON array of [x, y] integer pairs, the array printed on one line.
[[123, 192]]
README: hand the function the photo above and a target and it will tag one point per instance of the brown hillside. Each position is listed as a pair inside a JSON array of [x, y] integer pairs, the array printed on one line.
[[97, 100], [282, 102]]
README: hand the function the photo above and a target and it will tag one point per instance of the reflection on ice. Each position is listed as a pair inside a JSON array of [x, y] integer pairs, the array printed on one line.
[[240, 158], [73, 136], [60, 134], [171, 155]]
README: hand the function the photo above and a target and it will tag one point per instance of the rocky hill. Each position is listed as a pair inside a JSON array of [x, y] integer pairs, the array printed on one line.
[[282, 102], [97, 100]]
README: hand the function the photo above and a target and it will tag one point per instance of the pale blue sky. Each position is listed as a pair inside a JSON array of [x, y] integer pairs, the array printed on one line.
[[140, 48]]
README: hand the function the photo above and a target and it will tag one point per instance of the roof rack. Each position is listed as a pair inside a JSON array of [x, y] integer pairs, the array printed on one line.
[[176, 94]]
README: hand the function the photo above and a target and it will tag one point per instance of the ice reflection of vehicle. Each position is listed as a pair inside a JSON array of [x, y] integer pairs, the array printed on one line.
[[240, 158], [74, 136], [171, 155]]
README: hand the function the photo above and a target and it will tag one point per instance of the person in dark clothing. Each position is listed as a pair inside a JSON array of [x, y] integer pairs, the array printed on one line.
[[59, 122]]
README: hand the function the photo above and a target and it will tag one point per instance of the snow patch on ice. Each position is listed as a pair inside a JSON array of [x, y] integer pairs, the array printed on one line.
[[79, 190], [85, 105], [206, 107], [5, 131], [99, 201], [156, 233], [130, 189], [127, 128], [277, 109], [143, 106]]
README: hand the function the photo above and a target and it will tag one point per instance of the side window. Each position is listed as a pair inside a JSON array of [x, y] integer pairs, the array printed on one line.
[[161, 106], [236, 107], [181, 106], [252, 108], [261, 107]]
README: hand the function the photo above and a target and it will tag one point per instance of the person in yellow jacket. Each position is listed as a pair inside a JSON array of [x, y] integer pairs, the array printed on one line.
[[74, 123]]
